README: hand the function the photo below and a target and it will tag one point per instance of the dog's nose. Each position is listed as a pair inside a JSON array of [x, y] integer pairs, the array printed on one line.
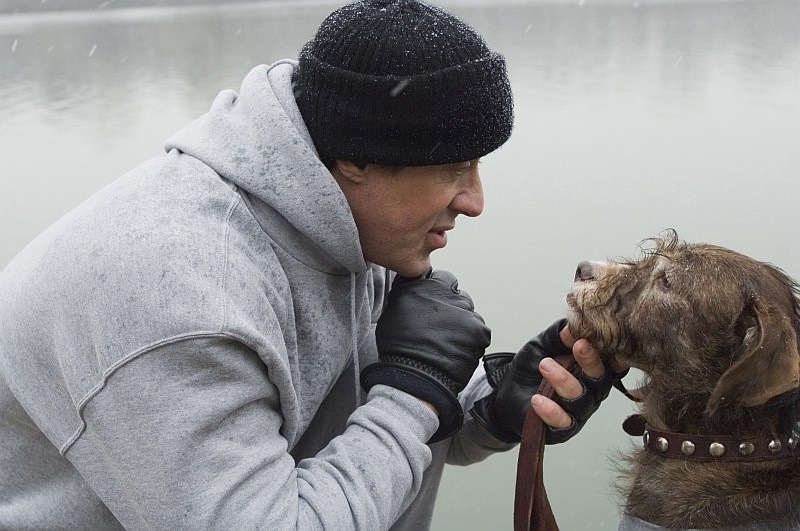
[[585, 271]]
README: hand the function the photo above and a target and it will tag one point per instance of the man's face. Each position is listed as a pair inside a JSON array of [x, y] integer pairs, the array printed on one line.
[[403, 215]]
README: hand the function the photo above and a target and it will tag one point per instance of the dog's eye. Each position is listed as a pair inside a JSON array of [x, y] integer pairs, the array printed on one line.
[[661, 280]]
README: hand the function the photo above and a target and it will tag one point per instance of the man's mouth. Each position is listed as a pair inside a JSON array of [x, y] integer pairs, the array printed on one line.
[[437, 238]]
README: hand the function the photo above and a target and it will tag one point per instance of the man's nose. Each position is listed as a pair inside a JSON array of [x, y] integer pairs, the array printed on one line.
[[469, 200]]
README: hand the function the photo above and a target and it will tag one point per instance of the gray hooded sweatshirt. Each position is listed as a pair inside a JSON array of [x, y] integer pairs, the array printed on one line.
[[181, 351]]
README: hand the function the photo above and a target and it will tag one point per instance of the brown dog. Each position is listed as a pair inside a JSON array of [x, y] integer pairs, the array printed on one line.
[[716, 333]]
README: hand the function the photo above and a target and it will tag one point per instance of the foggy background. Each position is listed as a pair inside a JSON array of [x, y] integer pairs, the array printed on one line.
[[631, 117]]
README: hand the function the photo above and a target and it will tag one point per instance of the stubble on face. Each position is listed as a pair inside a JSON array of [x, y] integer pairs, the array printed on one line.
[[403, 214]]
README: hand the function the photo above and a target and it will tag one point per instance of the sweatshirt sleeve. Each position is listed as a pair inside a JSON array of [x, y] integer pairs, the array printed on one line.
[[188, 436], [472, 443]]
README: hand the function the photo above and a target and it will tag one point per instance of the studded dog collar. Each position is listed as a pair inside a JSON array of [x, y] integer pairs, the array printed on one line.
[[716, 447], [710, 447]]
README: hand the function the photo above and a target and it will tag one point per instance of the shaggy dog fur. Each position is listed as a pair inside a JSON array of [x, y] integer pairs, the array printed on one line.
[[716, 334]]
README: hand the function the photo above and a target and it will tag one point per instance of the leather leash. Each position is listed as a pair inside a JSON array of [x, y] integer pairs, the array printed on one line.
[[532, 510]]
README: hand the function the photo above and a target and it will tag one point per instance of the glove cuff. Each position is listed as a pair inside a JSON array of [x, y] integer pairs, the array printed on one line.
[[416, 366], [422, 385], [495, 366]]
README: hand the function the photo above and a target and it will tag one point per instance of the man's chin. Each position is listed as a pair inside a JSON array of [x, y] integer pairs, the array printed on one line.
[[412, 270]]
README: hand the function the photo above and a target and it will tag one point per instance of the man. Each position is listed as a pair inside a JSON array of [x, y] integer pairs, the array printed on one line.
[[188, 348]]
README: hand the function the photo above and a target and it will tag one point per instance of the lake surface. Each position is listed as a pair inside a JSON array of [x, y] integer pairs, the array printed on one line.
[[631, 117]]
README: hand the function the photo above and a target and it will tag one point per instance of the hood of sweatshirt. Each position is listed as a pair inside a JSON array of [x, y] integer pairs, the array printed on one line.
[[256, 140]]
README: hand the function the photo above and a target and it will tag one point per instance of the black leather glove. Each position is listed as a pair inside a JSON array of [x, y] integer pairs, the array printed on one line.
[[430, 341], [515, 379]]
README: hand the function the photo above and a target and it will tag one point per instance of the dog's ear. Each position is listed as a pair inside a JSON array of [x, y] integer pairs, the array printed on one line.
[[768, 366]]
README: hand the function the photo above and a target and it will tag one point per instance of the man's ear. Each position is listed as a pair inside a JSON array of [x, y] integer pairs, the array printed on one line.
[[768, 366], [349, 170]]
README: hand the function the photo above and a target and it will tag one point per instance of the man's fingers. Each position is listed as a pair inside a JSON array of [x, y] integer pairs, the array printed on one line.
[[550, 412], [564, 384], [584, 353], [588, 358], [566, 337]]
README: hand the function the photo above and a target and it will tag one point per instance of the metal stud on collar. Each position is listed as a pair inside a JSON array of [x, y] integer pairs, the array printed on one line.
[[746, 448], [716, 449], [688, 448], [774, 446], [662, 444]]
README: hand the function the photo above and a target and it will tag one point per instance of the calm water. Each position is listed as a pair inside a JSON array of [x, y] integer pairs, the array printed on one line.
[[631, 117]]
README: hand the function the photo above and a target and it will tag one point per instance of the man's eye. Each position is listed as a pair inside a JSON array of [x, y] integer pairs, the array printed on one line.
[[463, 169]]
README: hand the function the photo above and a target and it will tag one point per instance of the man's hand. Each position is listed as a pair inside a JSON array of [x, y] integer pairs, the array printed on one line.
[[565, 384], [430, 341], [516, 378]]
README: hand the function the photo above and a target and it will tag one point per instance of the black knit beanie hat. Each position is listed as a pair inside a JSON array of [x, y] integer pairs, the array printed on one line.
[[402, 83]]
